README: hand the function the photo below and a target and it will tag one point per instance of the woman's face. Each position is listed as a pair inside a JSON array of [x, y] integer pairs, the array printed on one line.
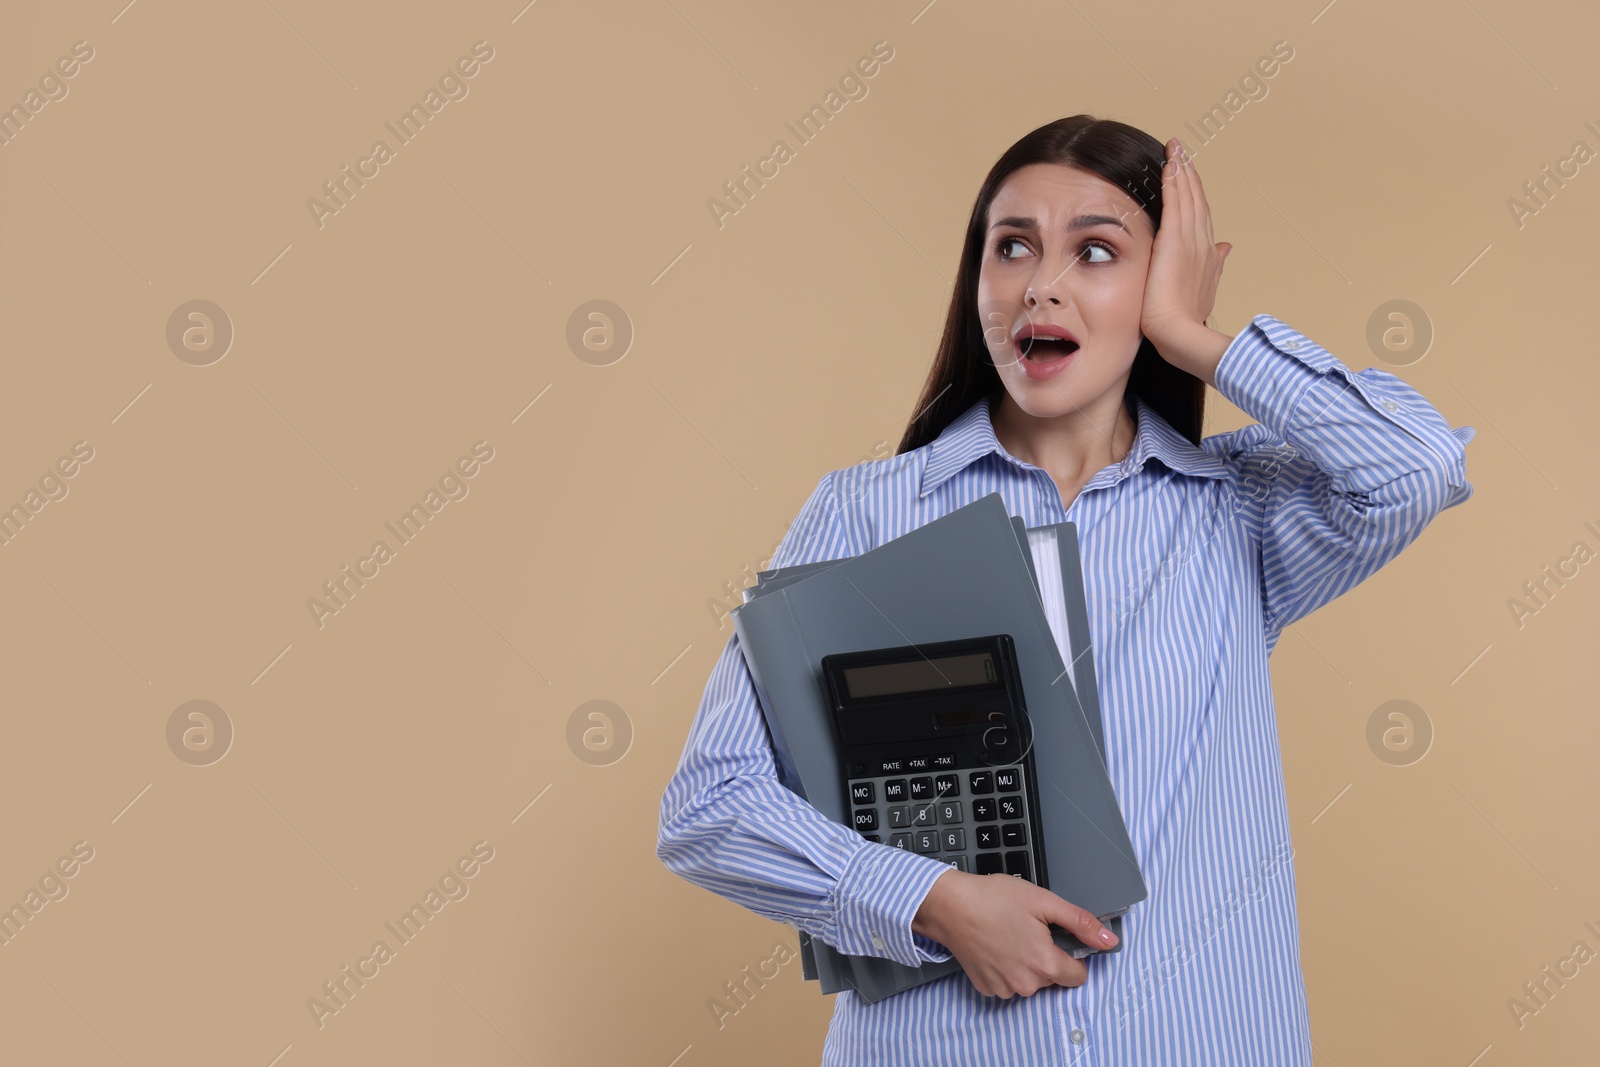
[[1065, 251]]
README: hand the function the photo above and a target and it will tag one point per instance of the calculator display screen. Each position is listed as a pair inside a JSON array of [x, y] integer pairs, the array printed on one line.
[[920, 675]]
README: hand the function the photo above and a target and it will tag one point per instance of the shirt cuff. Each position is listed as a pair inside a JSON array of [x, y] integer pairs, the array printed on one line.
[[877, 897], [1301, 391]]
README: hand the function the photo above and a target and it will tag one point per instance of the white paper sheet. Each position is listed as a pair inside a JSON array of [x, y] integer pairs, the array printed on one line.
[[1047, 561]]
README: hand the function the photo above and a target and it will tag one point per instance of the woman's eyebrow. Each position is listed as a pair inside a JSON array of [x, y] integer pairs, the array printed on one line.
[[1077, 222]]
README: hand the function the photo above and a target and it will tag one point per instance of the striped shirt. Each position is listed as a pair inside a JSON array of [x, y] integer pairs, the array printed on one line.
[[1194, 559]]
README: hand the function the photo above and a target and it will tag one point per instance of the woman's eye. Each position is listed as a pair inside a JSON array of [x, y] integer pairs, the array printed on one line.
[[1097, 246], [1001, 247]]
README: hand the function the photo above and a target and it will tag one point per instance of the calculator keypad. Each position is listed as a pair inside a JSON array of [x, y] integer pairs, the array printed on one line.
[[975, 820]]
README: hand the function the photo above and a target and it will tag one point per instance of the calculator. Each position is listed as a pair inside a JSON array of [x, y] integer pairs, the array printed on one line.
[[937, 752]]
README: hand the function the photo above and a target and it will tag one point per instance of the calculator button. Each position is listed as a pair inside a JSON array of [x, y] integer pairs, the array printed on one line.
[[863, 793], [1011, 807], [866, 819], [1014, 833], [858, 768], [927, 840], [894, 790], [945, 762], [981, 781], [919, 763], [922, 789], [923, 815], [985, 810], [1008, 780], [947, 785], [953, 840], [950, 811], [899, 817], [988, 837], [989, 863], [891, 766], [900, 841], [873, 837], [958, 862], [1017, 864]]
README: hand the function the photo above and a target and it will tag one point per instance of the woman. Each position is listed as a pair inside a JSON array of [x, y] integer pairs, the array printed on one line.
[[1071, 379]]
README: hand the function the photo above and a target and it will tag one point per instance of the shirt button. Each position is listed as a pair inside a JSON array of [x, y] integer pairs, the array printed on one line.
[[1076, 1035], [1390, 405], [877, 942], [1292, 345]]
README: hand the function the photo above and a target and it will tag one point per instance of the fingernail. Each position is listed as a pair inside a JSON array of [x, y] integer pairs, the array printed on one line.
[[1107, 936]]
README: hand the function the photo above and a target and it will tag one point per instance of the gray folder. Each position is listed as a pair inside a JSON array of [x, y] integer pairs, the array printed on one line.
[[821, 962], [966, 573]]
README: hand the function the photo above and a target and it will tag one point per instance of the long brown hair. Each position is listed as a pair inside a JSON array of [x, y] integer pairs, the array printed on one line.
[[963, 370]]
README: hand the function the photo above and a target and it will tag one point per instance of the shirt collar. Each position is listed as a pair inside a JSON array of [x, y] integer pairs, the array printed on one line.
[[971, 436]]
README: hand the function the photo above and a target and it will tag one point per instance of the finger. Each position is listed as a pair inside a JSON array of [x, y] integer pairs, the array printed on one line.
[[1071, 972], [1202, 206], [1194, 222], [1194, 215], [1080, 922], [1172, 188]]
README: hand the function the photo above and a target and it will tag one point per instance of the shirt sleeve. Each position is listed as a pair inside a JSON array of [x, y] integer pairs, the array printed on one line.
[[1343, 470], [729, 825]]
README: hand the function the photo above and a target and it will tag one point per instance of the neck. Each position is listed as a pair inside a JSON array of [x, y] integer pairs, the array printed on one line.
[[1070, 447]]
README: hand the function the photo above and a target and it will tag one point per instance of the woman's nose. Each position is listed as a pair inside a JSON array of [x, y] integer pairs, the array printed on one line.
[[1049, 287]]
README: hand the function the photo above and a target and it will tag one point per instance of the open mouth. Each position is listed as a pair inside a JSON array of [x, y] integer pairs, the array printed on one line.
[[1043, 349]]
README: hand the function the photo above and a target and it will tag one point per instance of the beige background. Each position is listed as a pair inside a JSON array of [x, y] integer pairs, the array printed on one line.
[[624, 502]]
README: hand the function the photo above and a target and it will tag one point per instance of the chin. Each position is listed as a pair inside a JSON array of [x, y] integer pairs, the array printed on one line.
[[1049, 401]]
